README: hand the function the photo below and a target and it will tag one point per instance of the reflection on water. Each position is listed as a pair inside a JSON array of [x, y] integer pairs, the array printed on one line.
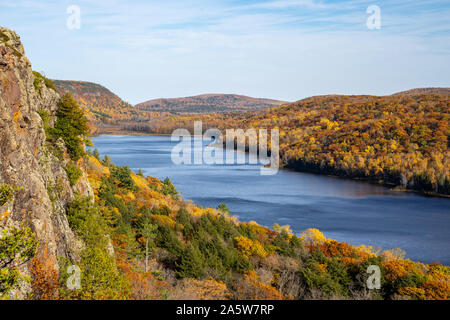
[[346, 210]]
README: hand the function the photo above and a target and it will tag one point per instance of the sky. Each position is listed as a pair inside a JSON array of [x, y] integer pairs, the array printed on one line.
[[280, 49]]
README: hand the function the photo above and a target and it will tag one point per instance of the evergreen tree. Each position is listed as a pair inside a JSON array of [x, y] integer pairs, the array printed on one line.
[[71, 125]]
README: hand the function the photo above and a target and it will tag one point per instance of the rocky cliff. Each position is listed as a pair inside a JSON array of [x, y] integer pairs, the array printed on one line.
[[27, 161]]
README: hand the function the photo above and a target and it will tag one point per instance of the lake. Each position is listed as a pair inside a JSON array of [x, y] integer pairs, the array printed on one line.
[[346, 210]]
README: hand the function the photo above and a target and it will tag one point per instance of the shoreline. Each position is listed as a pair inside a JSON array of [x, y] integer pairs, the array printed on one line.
[[365, 180]]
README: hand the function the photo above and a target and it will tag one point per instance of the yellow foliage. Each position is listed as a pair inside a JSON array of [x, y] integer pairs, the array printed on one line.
[[312, 236], [437, 289], [399, 268], [4, 215], [164, 220], [418, 293], [248, 247], [139, 181], [95, 166], [287, 228], [209, 289]]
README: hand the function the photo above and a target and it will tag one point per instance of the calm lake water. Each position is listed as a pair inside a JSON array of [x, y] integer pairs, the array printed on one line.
[[345, 210]]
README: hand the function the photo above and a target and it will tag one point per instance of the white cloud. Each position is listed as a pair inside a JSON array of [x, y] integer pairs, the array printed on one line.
[[281, 49]]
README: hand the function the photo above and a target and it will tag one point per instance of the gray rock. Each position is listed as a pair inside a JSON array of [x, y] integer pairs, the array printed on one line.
[[26, 160]]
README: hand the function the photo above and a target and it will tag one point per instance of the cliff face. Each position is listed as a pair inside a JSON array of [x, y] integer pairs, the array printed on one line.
[[28, 163]]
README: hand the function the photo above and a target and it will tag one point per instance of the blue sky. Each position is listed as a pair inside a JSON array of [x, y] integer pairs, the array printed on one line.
[[281, 49]]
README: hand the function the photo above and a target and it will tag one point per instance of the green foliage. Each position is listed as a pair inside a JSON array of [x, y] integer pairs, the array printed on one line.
[[325, 274], [73, 173], [45, 116], [6, 193], [223, 209], [84, 217], [123, 175], [17, 245], [40, 81], [184, 218], [100, 276], [107, 161], [166, 238], [148, 230], [164, 210], [286, 245], [96, 154], [70, 125], [192, 263], [168, 188]]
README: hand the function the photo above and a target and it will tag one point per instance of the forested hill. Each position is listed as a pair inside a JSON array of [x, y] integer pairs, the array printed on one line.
[[209, 103], [102, 105], [439, 91], [399, 140]]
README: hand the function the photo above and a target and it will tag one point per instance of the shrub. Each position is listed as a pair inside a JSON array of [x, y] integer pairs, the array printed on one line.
[[73, 173], [96, 154], [191, 264], [183, 218], [123, 175], [45, 116], [249, 247], [6, 193], [223, 209], [100, 276], [168, 188], [286, 244], [84, 217], [167, 239], [39, 79], [17, 246]]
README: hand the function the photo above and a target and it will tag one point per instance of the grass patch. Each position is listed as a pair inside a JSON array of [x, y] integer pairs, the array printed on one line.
[[40, 81]]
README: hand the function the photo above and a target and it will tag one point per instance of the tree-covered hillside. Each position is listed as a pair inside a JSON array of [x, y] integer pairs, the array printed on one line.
[[400, 140], [101, 105]]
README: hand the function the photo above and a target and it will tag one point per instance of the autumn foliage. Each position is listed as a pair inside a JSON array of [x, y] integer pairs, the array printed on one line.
[[203, 253], [399, 140]]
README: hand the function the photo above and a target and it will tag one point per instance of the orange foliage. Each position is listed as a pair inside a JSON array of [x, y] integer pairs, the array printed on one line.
[[144, 285], [251, 288], [209, 289], [437, 289], [399, 268], [332, 248], [45, 282]]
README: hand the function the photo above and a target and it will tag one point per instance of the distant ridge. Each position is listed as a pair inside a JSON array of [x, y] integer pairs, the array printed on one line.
[[208, 103], [440, 91]]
